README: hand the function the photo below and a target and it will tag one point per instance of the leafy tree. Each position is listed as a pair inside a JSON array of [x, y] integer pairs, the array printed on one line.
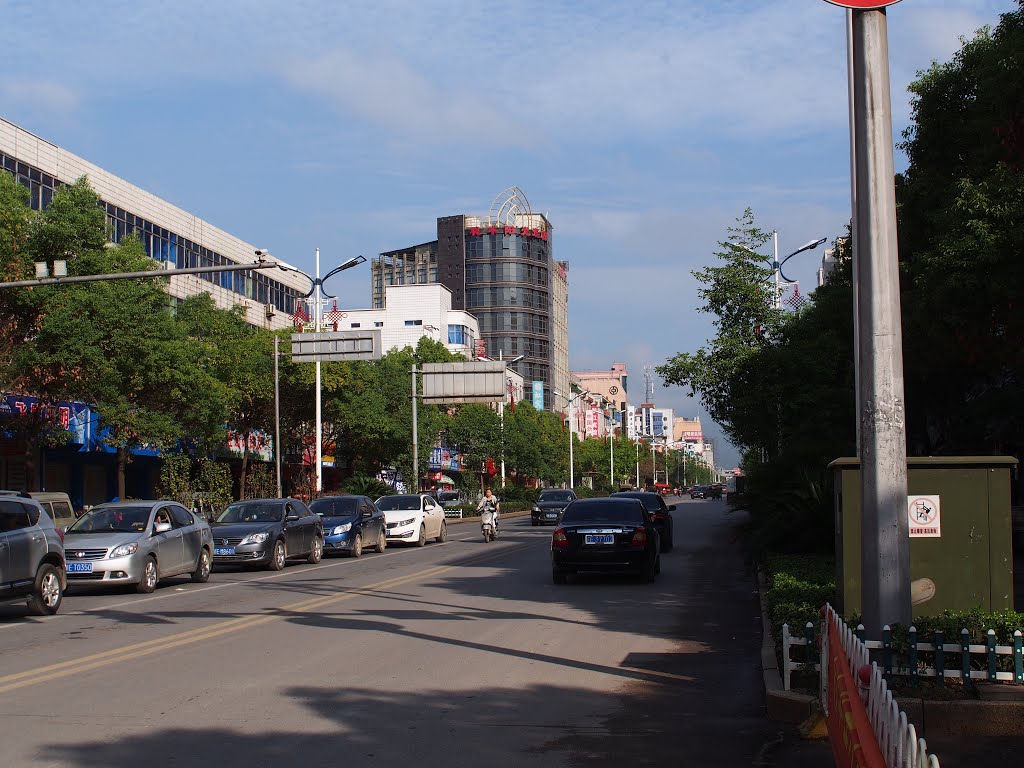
[[476, 430], [239, 361], [961, 234]]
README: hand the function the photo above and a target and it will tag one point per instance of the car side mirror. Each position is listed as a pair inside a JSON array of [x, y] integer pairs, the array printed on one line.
[[367, 514], [161, 528], [291, 518]]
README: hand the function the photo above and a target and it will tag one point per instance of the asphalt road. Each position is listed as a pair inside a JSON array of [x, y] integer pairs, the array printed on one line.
[[457, 654]]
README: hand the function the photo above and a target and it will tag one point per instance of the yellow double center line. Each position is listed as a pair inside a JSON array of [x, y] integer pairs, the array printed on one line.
[[138, 650]]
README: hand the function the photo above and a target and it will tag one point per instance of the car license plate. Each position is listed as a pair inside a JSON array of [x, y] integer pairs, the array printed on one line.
[[552, 514], [79, 568], [223, 551], [598, 538]]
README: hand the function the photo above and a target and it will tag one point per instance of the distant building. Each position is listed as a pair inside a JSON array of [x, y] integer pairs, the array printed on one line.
[[687, 431], [612, 384], [499, 268]]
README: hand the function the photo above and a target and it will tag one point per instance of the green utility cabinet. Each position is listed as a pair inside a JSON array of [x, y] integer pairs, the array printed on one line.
[[969, 564]]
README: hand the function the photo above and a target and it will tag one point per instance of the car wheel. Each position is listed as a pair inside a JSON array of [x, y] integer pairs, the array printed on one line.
[[150, 576], [317, 553], [277, 557], [558, 576], [202, 572], [47, 592], [651, 570], [357, 546], [423, 536], [382, 541], [442, 535]]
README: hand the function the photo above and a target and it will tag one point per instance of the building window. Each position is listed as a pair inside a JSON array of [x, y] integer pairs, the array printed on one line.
[[355, 325], [378, 323], [414, 322]]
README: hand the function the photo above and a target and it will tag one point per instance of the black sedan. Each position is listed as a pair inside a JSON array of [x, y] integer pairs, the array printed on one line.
[[350, 524], [267, 532], [549, 505], [699, 492], [613, 534], [660, 512]]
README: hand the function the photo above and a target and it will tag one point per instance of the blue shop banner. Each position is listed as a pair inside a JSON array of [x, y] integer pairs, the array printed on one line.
[[538, 395]]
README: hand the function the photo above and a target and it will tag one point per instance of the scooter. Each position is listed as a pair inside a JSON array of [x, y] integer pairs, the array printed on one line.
[[489, 524]]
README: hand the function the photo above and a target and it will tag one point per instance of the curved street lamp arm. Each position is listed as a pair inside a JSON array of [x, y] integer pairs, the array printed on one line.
[[808, 247]]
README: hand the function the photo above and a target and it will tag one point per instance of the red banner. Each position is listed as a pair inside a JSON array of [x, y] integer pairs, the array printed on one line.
[[853, 740]]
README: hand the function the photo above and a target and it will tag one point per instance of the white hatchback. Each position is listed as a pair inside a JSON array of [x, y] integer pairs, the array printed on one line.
[[413, 518]]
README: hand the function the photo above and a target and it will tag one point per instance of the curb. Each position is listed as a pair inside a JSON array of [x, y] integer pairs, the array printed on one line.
[[782, 705]]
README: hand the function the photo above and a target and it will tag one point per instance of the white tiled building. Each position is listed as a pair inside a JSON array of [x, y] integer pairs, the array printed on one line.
[[413, 311], [170, 235]]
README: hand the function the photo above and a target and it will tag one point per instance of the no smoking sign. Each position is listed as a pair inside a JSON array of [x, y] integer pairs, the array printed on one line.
[[923, 516]]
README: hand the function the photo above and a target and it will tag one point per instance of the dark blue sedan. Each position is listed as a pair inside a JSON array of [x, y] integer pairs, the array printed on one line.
[[350, 524]]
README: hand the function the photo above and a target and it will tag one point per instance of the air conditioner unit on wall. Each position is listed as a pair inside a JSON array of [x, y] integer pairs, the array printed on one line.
[[268, 310]]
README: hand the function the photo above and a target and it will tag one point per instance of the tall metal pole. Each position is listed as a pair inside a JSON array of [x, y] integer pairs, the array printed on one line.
[[277, 413], [885, 551], [611, 475], [572, 439], [637, 463], [776, 298], [317, 307], [415, 436], [853, 216]]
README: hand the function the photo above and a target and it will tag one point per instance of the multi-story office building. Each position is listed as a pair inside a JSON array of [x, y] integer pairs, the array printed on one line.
[[170, 235], [499, 268], [612, 384]]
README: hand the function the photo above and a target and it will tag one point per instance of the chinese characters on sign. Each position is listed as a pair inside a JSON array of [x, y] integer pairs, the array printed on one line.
[[923, 513]]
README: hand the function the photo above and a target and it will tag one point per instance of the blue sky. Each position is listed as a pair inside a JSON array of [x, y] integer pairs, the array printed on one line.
[[642, 133]]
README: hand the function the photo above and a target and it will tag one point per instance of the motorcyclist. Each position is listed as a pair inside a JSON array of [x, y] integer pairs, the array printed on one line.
[[490, 503]]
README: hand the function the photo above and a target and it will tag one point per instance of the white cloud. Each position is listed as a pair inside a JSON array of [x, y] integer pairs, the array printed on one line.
[[47, 96]]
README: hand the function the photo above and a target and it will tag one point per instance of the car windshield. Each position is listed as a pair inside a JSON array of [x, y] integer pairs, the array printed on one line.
[[556, 496], [650, 500], [447, 495], [253, 512], [336, 506], [392, 503], [603, 512], [115, 518]]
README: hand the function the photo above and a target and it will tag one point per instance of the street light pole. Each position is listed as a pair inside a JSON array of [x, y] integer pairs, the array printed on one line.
[[638, 463], [316, 306], [277, 413], [611, 476]]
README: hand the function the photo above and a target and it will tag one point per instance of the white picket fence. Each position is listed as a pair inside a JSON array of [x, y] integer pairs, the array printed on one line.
[[896, 737]]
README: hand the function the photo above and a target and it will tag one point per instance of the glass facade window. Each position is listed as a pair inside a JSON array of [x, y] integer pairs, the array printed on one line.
[[160, 244], [414, 322]]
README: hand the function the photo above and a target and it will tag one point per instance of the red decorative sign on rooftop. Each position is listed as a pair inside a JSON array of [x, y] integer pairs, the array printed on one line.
[[863, 5]]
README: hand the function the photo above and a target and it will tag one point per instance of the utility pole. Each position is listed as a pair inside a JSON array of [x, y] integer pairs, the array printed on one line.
[[277, 413], [885, 548], [415, 438]]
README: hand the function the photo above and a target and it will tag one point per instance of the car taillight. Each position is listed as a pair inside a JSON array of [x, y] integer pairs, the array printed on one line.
[[559, 540], [639, 538]]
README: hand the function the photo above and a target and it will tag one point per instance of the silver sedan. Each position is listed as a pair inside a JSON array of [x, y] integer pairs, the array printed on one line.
[[137, 542]]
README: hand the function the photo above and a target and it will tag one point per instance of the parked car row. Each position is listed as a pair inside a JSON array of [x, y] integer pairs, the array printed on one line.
[[139, 542]]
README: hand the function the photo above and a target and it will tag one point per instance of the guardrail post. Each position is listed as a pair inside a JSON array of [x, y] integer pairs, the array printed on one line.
[[965, 656], [940, 657], [1018, 661], [990, 638], [887, 651], [809, 648], [912, 653]]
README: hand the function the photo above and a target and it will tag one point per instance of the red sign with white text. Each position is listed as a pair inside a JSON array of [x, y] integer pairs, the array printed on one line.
[[863, 5]]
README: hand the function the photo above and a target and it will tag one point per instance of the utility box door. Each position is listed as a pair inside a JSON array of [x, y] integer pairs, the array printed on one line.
[[970, 565]]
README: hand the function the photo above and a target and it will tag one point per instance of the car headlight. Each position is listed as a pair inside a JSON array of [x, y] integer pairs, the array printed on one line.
[[400, 523], [343, 528], [125, 549], [536, 508], [254, 538]]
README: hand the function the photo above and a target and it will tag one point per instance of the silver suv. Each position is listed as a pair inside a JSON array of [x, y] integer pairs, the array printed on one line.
[[31, 556]]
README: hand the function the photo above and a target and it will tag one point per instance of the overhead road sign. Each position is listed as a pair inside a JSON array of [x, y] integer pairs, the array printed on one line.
[[335, 346], [479, 381]]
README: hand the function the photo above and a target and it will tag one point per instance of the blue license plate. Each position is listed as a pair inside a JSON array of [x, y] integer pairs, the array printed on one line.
[[223, 551], [79, 568], [552, 514], [600, 538]]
